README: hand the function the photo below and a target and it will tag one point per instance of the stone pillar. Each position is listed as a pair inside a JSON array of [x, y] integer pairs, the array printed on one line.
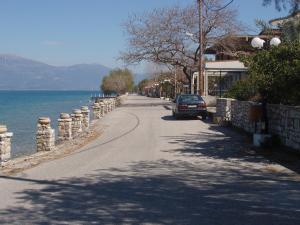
[[96, 111], [110, 105], [118, 101], [102, 109], [64, 127], [86, 117], [114, 103], [76, 122], [106, 106], [45, 136], [5, 143]]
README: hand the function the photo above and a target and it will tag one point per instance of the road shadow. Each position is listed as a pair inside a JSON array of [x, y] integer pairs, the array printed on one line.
[[150, 104], [172, 118], [223, 142], [216, 142], [159, 192]]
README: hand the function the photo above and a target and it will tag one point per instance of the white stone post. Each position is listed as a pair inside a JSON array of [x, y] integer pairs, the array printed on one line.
[[76, 122], [86, 117], [64, 127], [110, 105], [106, 106], [102, 109], [5, 143], [96, 111], [114, 103], [45, 136], [118, 101]]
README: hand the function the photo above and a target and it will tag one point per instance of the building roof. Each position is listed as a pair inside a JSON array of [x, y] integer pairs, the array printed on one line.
[[225, 65], [279, 21]]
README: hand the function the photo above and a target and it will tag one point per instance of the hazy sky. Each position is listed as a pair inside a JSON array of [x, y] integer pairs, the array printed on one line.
[[64, 32]]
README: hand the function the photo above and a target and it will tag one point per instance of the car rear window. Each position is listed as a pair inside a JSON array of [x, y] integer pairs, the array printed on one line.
[[189, 98]]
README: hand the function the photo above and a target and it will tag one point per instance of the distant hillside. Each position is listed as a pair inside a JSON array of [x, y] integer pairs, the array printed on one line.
[[18, 73]]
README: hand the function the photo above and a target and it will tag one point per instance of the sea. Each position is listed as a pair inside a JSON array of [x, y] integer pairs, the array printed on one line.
[[20, 110]]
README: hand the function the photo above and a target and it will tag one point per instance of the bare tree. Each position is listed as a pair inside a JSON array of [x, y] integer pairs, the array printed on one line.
[[170, 35]]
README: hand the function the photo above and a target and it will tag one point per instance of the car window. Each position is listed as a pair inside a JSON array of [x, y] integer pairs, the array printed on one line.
[[189, 98]]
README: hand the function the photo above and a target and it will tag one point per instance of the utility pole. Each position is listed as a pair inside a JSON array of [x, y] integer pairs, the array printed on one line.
[[175, 76], [200, 61]]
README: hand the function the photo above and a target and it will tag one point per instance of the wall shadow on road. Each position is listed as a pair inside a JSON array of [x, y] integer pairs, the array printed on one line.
[[151, 104], [221, 142], [215, 142], [159, 192], [172, 118]]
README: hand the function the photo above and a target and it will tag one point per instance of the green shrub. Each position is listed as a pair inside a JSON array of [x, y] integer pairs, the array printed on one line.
[[242, 90], [274, 74]]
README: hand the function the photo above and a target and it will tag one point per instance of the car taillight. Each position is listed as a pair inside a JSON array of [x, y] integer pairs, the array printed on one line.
[[182, 106], [202, 105]]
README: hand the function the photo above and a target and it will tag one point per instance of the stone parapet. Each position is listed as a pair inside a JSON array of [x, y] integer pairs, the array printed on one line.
[[5, 143], [96, 111], [85, 117], [105, 106], [77, 119], [64, 127], [102, 108], [45, 136]]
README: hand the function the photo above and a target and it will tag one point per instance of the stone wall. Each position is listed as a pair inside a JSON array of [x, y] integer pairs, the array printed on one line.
[[240, 115], [284, 121]]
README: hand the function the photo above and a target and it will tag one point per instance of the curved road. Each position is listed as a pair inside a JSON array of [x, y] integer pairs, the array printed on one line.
[[147, 168]]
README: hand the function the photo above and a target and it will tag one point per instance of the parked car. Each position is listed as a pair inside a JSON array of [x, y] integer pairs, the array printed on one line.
[[189, 105]]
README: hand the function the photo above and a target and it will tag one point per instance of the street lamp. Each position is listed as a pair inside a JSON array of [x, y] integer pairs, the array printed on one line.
[[259, 43], [275, 41]]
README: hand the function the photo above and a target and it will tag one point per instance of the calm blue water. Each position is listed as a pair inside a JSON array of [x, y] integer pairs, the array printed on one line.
[[20, 110]]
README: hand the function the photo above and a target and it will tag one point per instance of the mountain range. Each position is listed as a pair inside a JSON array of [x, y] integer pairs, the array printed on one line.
[[18, 73]]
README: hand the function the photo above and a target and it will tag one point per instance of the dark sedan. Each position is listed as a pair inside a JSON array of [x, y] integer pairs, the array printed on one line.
[[189, 105]]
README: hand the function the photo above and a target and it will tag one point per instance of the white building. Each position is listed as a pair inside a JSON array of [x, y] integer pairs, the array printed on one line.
[[219, 76]]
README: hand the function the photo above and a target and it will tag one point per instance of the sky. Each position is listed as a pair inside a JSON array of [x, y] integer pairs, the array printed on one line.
[[67, 32]]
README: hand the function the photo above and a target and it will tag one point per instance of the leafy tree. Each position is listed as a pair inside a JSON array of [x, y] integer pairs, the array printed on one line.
[[118, 81], [291, 31], [274, 75]]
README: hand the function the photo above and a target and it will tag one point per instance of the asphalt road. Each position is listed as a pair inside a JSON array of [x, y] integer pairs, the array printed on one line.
[[147, 168]]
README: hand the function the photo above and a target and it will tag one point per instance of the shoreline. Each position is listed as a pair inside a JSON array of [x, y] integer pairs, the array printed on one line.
[[21, 111], [62, 148], [21, 163]]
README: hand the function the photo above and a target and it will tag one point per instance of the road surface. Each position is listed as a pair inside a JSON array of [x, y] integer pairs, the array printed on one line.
[[147, 168]]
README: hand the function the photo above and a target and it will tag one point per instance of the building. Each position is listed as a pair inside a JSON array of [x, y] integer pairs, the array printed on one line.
[[222, 73], [219, 76], [280, 21]]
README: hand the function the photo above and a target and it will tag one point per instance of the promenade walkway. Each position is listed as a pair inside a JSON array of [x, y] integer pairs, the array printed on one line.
[[148, 168]]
